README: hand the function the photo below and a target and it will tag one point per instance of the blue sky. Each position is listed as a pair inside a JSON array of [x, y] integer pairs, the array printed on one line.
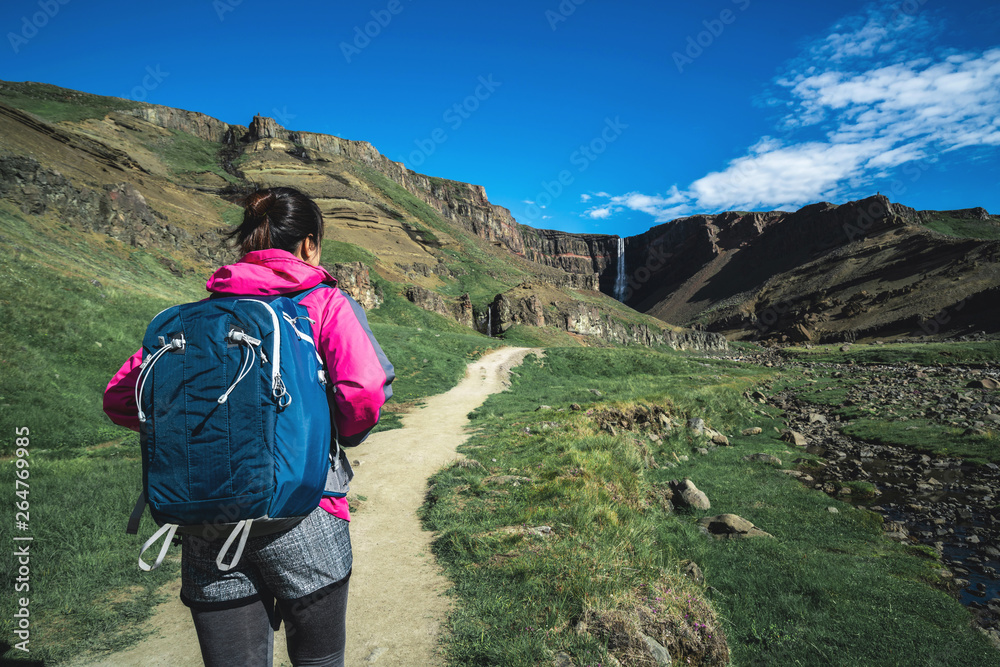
[[581, 115]]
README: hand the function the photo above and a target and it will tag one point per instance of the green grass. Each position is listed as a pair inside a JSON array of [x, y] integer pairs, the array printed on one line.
[[86, 590], [900, 421], [521, 335], [74, 307], [62, 336], [966, 229], [828, 589], [55, 104], [924, 435], [339, 252], [929, 354], [184, 153]]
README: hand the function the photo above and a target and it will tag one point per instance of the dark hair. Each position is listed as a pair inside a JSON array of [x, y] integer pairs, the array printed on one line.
[[277, 218]]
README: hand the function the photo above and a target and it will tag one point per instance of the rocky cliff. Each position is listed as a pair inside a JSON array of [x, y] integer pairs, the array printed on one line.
[[717, 271]]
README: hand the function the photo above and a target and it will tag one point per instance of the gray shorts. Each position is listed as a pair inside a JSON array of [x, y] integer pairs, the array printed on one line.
[[287, 565]]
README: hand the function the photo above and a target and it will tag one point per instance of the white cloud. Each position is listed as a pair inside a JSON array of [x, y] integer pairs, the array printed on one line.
[[661, 207], [585, 198], [527, 201], [867, 102]]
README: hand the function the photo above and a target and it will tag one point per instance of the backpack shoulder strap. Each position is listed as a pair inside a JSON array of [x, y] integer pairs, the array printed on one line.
[[298, 296]]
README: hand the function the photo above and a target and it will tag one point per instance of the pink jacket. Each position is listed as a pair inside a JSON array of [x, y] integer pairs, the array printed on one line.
[[359, 371]]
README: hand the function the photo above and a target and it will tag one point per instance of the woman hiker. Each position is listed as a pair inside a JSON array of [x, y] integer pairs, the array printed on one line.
[[305, 569]]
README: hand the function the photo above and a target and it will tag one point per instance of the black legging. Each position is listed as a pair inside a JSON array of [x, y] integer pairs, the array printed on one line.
[[315, 629]]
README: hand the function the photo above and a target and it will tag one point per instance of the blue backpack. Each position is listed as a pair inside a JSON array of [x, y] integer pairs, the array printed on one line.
[[235, 427]]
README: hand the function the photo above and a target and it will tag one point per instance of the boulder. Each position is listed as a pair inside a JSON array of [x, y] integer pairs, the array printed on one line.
[[689, 494], [795, 438], [730, 526], [985, 383], [755, 430]]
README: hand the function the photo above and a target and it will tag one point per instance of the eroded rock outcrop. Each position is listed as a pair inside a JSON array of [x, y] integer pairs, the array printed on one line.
[[119, 210], [354, 278]]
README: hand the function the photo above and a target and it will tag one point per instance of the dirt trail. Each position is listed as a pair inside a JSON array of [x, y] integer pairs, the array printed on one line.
[[396, 602]]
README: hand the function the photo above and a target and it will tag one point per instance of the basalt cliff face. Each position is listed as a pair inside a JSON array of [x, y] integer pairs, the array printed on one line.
[[167, 183], [824, 272], [465, 205]]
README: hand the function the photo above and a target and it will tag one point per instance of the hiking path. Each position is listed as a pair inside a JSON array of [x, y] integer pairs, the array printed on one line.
[[397, 603]]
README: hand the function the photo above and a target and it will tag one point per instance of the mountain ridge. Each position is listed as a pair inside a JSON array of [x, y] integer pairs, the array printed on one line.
[[709, 271]]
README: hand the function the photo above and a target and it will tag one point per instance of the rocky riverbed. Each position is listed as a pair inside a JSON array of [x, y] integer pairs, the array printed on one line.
[[948, 503]]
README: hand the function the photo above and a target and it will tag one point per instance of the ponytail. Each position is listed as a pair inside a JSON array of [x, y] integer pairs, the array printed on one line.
[[277, 218]]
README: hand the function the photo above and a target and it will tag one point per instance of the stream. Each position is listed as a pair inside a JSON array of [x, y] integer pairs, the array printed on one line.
[[945, 503]]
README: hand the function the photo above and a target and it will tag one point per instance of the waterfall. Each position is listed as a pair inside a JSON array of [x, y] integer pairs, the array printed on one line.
[[620, 278], [489, 322]]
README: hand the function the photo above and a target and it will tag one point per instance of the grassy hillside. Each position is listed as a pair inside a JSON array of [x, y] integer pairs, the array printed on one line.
[[964, 227], [74, 308], [56, 104]]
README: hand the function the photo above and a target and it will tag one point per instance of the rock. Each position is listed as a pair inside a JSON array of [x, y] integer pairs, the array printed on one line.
[[833, 510], [816, 418], [689, 494], [543, 407], [469, 463], [702, 451], [596, 392], [730, 526], [541, 531], [985, 383], [693, 572], [763, 458], [660, 654], [697, 425], [355, 279], [759, 397], [575, 407], [428, 300], [795, 438], [720, 440], [755, 430], [562, 659]]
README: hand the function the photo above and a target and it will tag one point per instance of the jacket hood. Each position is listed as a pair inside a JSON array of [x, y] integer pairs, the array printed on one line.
[[267, 272]]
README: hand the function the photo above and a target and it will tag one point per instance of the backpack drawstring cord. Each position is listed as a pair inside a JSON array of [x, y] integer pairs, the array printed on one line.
[[146, 367], [251, 342]]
